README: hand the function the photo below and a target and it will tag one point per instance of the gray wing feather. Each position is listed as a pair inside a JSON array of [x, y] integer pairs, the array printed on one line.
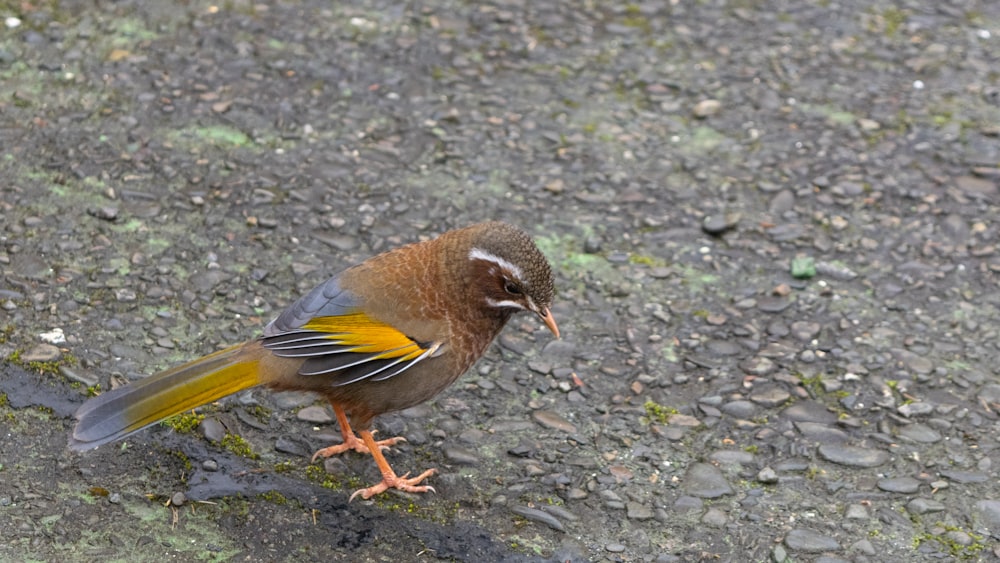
[[327, 299]]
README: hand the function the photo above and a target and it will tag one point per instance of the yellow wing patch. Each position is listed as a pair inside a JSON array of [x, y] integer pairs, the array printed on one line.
[[365, 335]]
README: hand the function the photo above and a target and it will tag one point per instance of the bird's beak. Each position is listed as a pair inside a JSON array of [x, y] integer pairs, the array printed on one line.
[[550, 322]]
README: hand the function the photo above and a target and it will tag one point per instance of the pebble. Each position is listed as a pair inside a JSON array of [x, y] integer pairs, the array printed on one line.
[[42, 353], [461, 456], [921, 433], [739, 409], [704, 480], [315, 414], [915, 362], [212, 429], [87, 379], [924, 506], [810, 541], [964, 477], [714, 518], [539, 516], [178, 499], [707, 108], [821, 432], [769, 396], [906, 485], [773, 304], [856, 512], [559, 512], [717, 224], [987, 513], [686, 503], [767, 476], [552, 420], [809, 411], [852, 456], [637, 511], [758, 366], [288, 400], [288, 446]]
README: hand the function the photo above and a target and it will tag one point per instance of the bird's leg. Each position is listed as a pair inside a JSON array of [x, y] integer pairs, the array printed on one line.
[[389, 478], [351, 442]]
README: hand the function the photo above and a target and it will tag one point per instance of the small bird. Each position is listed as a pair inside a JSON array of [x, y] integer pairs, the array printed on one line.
[[381, 336]]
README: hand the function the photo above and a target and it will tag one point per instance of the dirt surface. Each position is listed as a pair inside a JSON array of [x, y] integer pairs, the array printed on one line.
[[774, 227]]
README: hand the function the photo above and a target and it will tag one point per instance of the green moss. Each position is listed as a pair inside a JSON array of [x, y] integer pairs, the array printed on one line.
[[50, 367], [239, 446], [273, 497], [185, 422], [645, 260], [184, 459], [656, 412], [3, 400], [955, 549], [285, 467]]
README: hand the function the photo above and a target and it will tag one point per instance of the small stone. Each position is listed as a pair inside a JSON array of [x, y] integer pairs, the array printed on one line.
[[106, 213], [758, 365], [554, 421], [704, 480], [178, 499], [212, 430], [125, 295], [314, 414], [965, 477], [856, 512], [717, 224], [986, 513], [42, 353], [707, 108], [767, 476], [924, 506], [539, 516], [810, 541], [637, 511], [910, 410], [210, 465], [907, 485], [974, 186], [769, 396], [71, 374], [461, 456], [852, 456], [714, 518]]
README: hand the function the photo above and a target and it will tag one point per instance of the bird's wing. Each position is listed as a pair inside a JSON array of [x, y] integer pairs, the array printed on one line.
[[339, 341]]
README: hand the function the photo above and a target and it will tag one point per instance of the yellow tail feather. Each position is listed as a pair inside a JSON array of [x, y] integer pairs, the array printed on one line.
[[126, 410]]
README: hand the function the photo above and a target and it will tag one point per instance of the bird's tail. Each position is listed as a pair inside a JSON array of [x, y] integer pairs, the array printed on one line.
[[126, 410]]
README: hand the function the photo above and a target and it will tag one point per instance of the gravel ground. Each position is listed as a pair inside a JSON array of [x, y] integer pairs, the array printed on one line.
[[774, 227]]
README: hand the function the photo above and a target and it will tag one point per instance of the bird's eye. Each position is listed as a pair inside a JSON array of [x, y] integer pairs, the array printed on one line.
[[511, 288]]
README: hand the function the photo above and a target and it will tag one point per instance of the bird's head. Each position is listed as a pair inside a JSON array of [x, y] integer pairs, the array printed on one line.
[[509, 271]]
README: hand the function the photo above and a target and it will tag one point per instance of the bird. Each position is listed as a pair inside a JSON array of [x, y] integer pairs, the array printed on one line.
[[381, 336]]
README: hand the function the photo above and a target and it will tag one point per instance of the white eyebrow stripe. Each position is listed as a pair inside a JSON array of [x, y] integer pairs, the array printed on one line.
[[480, 254], [505, 303]]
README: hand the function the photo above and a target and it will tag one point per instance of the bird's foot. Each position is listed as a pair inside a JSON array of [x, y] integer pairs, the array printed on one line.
[[351, 442], [391, 481]]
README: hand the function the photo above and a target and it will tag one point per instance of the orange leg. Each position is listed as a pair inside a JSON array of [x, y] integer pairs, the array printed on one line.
[[389, 478], [351, 441]]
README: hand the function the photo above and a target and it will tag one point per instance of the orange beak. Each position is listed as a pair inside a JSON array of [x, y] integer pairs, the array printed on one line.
[[550, 322]]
